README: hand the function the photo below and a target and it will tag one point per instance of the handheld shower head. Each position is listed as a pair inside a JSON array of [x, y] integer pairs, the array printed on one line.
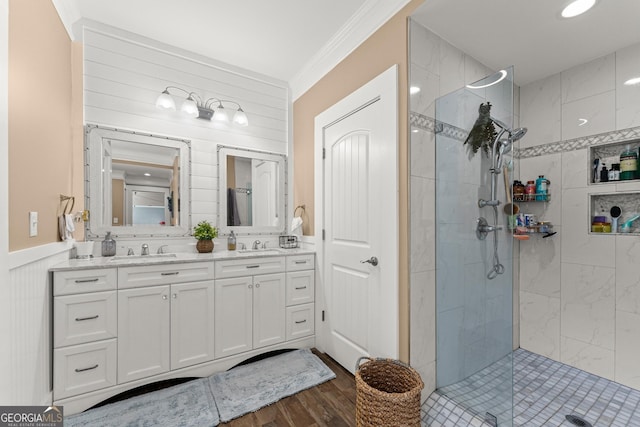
[[517, 133]]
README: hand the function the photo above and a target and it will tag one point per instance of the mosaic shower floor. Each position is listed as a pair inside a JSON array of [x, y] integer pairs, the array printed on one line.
[[544, 392]]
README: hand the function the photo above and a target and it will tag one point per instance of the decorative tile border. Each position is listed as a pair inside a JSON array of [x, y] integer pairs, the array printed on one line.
[[429, 124]]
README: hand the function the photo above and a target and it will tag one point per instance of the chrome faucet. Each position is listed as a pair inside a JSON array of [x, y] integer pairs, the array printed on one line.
[[256, 244], [161, 249], [145, 249], [130, 252]]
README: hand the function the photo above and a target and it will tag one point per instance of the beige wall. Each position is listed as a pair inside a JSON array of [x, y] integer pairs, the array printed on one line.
[[385, 47], [45, 125], [117, 201]]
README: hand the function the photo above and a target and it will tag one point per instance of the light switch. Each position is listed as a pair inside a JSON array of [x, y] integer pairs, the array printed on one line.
[[115, 220], [33, 224]]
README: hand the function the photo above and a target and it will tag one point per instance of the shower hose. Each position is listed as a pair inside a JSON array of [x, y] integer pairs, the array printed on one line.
[[497, 267]]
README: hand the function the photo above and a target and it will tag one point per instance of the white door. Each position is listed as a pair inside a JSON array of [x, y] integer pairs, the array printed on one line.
[[192, 320], [360, 218], [265, 183]]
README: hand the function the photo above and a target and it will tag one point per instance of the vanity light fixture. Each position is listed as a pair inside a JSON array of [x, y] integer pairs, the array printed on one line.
[[632, 81], [577, 7], [194, 106]]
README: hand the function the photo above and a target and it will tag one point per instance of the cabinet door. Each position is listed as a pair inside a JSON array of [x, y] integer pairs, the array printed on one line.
[[192, 320], [233, 314], [143, 332], [268, 309]]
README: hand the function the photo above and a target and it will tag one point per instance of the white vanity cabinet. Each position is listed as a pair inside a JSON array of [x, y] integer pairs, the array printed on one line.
[[164, 324], [300, 297], [249, 310]]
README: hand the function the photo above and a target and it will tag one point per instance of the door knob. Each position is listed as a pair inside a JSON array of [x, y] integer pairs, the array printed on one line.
[[373, 261]]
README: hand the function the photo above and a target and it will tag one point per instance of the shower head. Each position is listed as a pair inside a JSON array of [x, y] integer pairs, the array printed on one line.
[[517, 133]]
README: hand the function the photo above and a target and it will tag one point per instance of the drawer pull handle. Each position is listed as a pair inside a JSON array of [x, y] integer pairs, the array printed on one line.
[[80, 319], [301, 287], [173, 273], [301, 321], [87, 369], [301, 262], [87, 280], [253, 266]]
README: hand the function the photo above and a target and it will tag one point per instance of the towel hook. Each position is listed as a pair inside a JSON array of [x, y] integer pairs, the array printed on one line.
[[303, 207]]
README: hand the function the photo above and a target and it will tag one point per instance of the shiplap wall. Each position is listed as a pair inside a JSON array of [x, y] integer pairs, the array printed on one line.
[[125, 73]]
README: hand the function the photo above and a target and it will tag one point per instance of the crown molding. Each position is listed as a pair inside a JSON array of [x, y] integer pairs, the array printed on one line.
[[366, 21], [68, 13]]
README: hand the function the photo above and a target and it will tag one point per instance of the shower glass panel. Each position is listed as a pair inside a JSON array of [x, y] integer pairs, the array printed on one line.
[[474, 298]]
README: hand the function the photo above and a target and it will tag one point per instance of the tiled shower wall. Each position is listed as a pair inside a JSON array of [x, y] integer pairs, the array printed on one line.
[[580, 292]]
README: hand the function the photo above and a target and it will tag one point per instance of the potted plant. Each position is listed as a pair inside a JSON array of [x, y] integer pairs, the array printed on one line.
[[204, 233]]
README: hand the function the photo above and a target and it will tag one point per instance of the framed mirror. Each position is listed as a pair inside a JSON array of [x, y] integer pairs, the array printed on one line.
[[136, 184], [252, 191]]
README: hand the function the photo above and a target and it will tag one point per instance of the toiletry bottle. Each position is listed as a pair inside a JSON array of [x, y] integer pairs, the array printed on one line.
[[628, 164], [231, 242], [604, 173], [530, 190], [108, 245], [541, 188]]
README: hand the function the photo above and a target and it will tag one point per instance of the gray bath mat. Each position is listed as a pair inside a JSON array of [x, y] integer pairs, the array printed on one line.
[[250, 387], [187, 404]]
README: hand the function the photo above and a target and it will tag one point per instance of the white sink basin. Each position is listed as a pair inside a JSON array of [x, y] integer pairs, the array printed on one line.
[[141, 257]]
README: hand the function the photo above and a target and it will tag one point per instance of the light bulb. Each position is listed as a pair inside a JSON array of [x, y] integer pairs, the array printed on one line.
[[240, 118], [221, 115], [165, 101], [189, 107]]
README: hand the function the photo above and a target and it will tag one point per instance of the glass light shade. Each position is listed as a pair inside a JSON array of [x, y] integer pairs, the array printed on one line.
[[240, 118], [221, 115], [165, 101], [189, 107]]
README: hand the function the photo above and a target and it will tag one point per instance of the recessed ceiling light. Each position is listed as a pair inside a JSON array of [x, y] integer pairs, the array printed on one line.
[[633, 81], [147, 174], [414, 89], [582, 122], [577, 7], [502, 74]]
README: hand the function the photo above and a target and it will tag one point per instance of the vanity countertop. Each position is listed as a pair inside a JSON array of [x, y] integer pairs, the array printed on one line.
[[172, 258]]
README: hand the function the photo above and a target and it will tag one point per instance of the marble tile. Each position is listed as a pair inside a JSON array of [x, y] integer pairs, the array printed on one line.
[[551, 167], [422, 253], [598, 110], [628, 274], [516, 296], [539, 264], [540, 324], [424, 48], [588, 309], [475, 306], [450, 347], [589, 79], [423, 156], [590, 358], [541, 111], [451, 68], [578, 246], [627, 66], [575, 169], [423, 318], [427, 371], [423, 102], [627, 349]]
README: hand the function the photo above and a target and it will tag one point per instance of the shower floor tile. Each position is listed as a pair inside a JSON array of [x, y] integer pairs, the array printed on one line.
[[544, 392]]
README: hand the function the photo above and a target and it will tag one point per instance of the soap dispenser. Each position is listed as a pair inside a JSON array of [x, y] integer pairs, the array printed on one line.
[[108, 245], [231, 241]]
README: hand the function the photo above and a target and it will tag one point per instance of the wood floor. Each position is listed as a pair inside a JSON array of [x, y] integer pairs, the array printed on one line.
[[330, 404]]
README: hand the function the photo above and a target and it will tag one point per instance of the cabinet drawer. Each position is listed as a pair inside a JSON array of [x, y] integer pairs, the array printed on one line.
[[300, 262], [300, 321], [163, 274], [249, 267], [84, 318], [300, 287], [84, 368], [80, 281]]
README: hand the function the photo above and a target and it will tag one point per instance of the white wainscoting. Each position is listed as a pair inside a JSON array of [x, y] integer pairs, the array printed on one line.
[[124, 73], [29, 340]]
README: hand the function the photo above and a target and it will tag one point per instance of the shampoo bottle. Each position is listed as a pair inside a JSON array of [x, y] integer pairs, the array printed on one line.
[[628, 164], [541, 188], [231, 242]]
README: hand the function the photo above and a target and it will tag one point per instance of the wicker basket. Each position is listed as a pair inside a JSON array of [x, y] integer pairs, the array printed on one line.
[[387, 394]]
